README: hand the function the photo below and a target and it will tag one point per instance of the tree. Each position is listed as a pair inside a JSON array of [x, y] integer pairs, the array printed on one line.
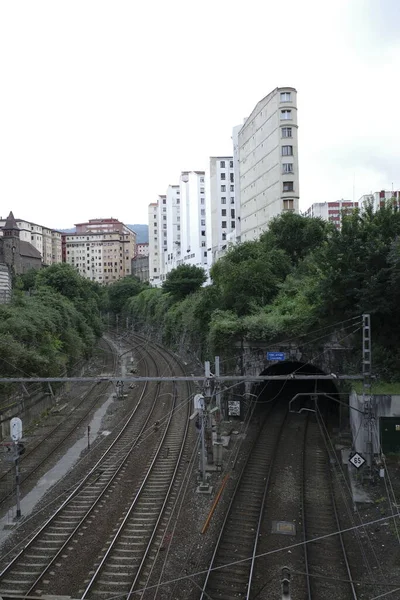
[[120, 291], [296, 235], [184, 280], [249, 275]]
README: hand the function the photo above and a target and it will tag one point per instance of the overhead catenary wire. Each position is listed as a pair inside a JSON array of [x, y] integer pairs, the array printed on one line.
[[270, 552]]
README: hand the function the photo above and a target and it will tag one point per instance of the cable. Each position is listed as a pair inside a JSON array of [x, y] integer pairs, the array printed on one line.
[[349, 513], [386, 594], [270, 552]]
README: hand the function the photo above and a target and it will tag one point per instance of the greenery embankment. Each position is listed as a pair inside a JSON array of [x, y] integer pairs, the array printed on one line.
[[300, 276], [45, 332]]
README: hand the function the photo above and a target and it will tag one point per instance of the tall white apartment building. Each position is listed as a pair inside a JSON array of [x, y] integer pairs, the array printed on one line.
[[154, 237], [331, 211], [47, 241], [101, 249], [220, 206], [172, 252], [268, 162], [377, 199], [193, 219]]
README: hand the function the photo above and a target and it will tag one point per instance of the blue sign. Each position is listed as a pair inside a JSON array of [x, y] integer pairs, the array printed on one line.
[[276, 356]]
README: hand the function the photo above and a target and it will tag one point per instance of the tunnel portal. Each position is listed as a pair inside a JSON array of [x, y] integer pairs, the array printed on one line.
[[284, 390]]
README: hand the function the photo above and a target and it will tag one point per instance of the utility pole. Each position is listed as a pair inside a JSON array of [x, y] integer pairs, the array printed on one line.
[[369, 404], [218, 416], [16, 435], [207, 416]]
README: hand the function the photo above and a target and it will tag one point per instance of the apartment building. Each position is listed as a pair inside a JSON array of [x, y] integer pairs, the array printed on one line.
[[193, 219], [47, 241], [142, 249], [154, 236], [220, 206], [331, 211], [267, 149], [101, 249], [378, 199]]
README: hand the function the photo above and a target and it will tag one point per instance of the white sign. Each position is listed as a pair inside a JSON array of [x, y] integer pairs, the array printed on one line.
[[233, 408], [199, 402], [357, 460], [16, 429]]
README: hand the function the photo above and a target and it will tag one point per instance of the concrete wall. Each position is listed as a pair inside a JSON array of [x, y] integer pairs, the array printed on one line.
[[385, 406]]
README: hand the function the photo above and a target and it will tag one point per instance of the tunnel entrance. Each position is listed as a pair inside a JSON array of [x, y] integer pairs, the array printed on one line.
[[285, 390]]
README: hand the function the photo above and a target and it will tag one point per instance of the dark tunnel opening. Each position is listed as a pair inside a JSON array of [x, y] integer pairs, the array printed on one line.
[[286, 389]]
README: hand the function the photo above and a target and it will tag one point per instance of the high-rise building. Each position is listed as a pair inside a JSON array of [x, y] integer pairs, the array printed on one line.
[[331, 211], [101, 249], [193, 219], [172, 250], [268, 162], [154, 235], [220, 206], [47, 241], [378, 199]]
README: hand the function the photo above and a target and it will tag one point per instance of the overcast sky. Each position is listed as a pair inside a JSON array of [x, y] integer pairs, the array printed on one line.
[[103, 103]]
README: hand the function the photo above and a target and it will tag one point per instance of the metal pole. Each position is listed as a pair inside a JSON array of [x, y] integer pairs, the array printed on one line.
[[17, 490], [203, 451], [218, 416], [88, 437], [369, 407], [207, 417]]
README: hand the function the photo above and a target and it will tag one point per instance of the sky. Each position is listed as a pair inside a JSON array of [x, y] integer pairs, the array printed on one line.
[[104, 103]]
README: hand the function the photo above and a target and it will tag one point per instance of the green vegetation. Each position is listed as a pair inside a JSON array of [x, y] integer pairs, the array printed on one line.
[[45, 332], [301, 275]]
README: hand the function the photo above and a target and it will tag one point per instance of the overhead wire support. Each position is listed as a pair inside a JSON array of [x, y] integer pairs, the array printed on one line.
[[368, 401]]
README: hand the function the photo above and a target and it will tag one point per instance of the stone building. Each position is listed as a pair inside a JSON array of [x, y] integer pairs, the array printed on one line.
[[19, 256]]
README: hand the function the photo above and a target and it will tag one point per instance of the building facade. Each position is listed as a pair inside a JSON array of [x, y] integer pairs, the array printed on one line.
[[101, 249], [47, 241], [331, 211], [378, 199], [140, 267], [142, 249], [193, 219], [267, 148], [154, 235], [17, 255], [220, 206]]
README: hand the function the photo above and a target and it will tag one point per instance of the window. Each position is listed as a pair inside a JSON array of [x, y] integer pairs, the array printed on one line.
[[223, 188], [155, 217], [286, 132], [288, 186], [286, 115], [288, 204], [165, 226], [285, 96], [232, 200], [287, 168], [155, 269], [203, 222], [203, 212], [222, 164], [224, 236], [231, 177], [232, 188], [231, 164], [287, 150], [223, 199], [164, 201], [178, 228], [203, 244], [203, 233], [205, 253], [233, 224], [201, 179], [223, 212], [222, 176], [232, 213], [201, 200], [201, 190], [178, 201], [223, 224], [164, 217]]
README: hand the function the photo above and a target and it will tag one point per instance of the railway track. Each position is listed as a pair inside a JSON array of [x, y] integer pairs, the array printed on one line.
[[237, 543], [131, 551], [284, 497], [32, 569], [326, 557], [56, 437]]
